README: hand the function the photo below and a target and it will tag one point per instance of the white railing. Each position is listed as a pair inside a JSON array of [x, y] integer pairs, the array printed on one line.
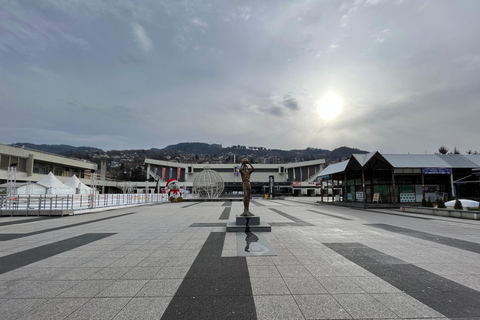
[[32, 203]]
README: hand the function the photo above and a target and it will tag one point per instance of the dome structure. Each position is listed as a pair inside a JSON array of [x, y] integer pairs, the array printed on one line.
[[208, 184]]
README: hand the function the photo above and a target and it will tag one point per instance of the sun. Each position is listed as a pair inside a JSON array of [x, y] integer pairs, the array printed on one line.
[[329, 106]]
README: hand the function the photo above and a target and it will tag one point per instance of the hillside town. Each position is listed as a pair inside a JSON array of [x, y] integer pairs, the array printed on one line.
[[128, 165]]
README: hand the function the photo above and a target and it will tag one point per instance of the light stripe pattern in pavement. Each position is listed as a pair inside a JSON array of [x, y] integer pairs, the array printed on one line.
[[330, 215], [258, 204], [449, 298], [10, 236], [297, 221], [451, 242]]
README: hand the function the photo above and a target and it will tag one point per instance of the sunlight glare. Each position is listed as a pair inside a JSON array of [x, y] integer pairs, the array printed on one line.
[[329, 106]]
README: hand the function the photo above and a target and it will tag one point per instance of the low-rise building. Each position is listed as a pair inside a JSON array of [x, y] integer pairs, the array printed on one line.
[[403, 178], [32, 165], [297, 178]]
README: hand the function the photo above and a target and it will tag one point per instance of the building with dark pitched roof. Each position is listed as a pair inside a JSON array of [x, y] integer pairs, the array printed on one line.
[[399, 178]]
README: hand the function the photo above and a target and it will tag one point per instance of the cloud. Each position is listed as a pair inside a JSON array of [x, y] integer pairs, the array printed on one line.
[[382, 36], [88, 10], [29, 31], [40, 135], [130, 58], [276, 105], [333, 46], [141, 37], [282, 106], [290, 103], [137, 68], [277, 111], [350, 11], [469, 61], [373, 2], [245, 12], [198, 22]]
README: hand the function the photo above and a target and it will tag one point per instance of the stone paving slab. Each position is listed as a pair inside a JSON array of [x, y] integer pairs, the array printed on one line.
[[175, 261]]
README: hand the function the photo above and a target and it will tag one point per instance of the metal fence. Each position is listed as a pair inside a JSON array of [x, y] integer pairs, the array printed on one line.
[[32, 203]]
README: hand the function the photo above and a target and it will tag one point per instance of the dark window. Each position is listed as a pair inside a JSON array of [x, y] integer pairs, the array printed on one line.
[[22, 165], [58, 171], [13, 160], [4, 161]]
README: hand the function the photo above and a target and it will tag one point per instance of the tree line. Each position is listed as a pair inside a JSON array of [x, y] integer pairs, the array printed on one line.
[[445, 150]]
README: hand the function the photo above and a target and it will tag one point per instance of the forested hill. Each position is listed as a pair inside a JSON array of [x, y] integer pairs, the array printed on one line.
[[288, 155], [56, 148], [196, 151]]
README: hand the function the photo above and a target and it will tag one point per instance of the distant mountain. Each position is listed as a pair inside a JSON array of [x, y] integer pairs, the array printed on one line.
[[286, 155], [198, 150], [56, 148], [194, 147], [344, 152]]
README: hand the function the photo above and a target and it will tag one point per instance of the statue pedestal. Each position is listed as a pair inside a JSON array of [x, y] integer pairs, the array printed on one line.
[[252, 221], [254, 224]]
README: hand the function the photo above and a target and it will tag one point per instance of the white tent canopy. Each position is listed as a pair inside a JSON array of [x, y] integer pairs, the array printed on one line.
[[54, 186], [78, 186], [31, 188], [26, 188]]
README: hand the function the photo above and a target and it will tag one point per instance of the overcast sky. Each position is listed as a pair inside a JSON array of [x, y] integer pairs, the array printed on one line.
[[126, 74]]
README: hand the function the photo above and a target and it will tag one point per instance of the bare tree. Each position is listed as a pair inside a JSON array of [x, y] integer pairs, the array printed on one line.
[[456, 151]]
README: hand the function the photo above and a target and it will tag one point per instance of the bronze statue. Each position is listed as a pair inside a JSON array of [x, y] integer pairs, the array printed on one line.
[[245, 172]]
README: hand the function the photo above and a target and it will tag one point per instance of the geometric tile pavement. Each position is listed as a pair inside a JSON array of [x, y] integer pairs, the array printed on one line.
[[175, 261]]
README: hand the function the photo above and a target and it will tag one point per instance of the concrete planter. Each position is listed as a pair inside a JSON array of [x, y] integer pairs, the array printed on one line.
[[464, 214]]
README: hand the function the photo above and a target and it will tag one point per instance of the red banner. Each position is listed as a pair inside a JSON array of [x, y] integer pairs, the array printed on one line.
[[163, 173], [179, 172]]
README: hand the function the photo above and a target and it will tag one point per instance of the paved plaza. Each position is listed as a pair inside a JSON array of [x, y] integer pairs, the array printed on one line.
[[175, 261]]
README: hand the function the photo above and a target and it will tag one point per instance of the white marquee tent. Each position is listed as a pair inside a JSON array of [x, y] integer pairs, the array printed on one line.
[[26, 188], [78, 186], [54, 186]]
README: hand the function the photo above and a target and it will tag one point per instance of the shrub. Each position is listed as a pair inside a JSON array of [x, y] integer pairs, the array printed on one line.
[[424, 202], [429, 203], [440, 203], [458, 205]]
